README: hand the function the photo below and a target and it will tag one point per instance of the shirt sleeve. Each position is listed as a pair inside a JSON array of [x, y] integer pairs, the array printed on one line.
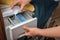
[[33, 0]]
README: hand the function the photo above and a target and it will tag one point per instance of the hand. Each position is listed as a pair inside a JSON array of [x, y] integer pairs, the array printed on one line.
[[22, 2], [31, 31]]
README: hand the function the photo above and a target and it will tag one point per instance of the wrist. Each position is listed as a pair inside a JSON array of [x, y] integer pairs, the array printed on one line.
[[37, 31], [40, 32]]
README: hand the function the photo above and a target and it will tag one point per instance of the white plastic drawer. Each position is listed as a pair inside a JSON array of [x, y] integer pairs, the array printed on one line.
[[16, 30]]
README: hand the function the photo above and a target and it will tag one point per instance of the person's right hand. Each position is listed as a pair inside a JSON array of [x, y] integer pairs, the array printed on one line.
[[22, 2], [31, 31]]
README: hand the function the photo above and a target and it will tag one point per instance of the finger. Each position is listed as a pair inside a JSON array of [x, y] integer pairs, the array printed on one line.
[[22, 7], [27, 34], [14, 3], [26, 28]]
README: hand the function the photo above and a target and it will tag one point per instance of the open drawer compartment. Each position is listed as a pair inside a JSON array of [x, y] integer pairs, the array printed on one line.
[[20, 18], [14, 20], [17, 30], [24, 16]]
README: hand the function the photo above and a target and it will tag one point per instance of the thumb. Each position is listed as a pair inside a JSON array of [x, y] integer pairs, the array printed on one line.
[[26, 28], [22, 7]]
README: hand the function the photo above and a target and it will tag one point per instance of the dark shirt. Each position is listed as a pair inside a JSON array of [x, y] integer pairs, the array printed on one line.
[[43, 10]]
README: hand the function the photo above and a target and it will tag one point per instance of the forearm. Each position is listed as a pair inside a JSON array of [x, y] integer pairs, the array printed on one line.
[[50, 32]]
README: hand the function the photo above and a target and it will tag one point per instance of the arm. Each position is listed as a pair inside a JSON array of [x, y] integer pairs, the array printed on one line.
[[50, 32]]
